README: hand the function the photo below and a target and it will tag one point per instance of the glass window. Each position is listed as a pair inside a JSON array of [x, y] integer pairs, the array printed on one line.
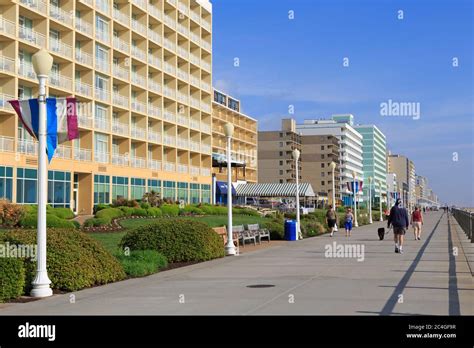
[[154, 185], [183, 192], [137, 188], [119, 187], [6, 183], [194, 193], [220, 98], [101, 143], [101, 189], [26, 185], [205, 193], [169, 190], [59, 189]]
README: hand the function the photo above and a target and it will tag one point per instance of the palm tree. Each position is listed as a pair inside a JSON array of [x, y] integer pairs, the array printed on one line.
[[152, 197]]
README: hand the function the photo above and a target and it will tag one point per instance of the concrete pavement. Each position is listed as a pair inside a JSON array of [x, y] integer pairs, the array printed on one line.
[[427, 279]]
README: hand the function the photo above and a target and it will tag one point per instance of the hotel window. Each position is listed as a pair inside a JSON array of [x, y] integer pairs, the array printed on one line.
[[54, 37], [101, 82], [219, 98], [6, 183], [194, 193], [101, 189], [205, 193], [101, 143], [169, 190], [119, 187], [183, 192], [233, 104], [322, 165], [322, 147], [137, 188], [323, 174], [322, 183], [100, 113], [26, 184], [101, 53], [102, 25], [154, 185], [281, 153], [59, 188]]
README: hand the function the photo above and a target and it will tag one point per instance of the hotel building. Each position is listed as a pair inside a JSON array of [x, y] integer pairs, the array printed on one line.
[[141, 73], [404, 169]]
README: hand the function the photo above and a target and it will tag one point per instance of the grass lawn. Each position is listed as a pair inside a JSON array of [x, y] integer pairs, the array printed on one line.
[[109, 240]]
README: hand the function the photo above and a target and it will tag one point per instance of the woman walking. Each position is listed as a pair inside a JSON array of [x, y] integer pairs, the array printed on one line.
[[417, 221], [349, 217]]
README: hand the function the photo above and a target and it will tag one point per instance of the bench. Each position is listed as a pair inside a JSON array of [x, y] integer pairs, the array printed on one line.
[[222, 231], [259, 232], [245, 235]]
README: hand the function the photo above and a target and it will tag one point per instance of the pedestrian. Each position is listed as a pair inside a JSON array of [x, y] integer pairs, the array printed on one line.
[[331, 219], [348, 218], [398, 218], [416, 222]]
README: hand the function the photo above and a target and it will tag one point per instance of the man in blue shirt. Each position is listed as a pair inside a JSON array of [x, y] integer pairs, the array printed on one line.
[[398, 218]]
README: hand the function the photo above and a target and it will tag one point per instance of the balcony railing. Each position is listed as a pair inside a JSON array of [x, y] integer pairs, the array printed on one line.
[[4, 104], [194, 146], [195, 16], [83, 57], [7, 64], [138, 80], [206, 66], [121, 17], [154, 136], [206, 108], [140, 3], [183, 8], [206, 45], [102, 64], [102, 123], [138, 106], [182, 168], [154, 111], [195, 59], [183, 75], [103, 5], [183, 120], [120, 44], [138, 132], [205, 148], [154, 164], [154, 86], [154, 11], [194, 80], [169, 21], [138, 53], [193, 170], [205, 86], [154, 36], [87, 2], [182, 29], [168, 92], [183, 143], [183, 98], [170, 69], [7, 144], [119, 160], [120, 100], [60, 15], [183, 52], [60, 81], [195, 37], [138, 162], [32, 36], [194, 123], [155, 61], [194, 102], [120, 72], [167, 43], [119, 127], [169, 140], [206, 25], [84, 121], [205, 172], [60, 47], [63, 151], [82, 154], [102, 94], [7, 27], [168, 166], [101, 157], [83, 26], [138, 27], [37, 5], [169, 116], [28, 147], [102, 35]]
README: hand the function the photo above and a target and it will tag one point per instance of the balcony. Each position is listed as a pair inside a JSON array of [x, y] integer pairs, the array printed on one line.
[[63, 152], [183, 98], [183, 52], [168, 166], [120, 72], [205, 148], [121, 17], [205, 86], [194, 146], [167, 43], [83, 58], [119, 160], [138, 162], [138, 53], [102, 124], [154, 111], [183, 75], [205, 172], [155, 61], [169, 21], [26, 70], [103, 5], [170, 69], [7, 144], [60, 15], [101, 157], [120, 100], [194, 80], [7, 27], [194, 59], [193, 170], [87, 2], [154, 164], [155, 12], [4, 104], [140, 3], [83, 26], [138, 27], [182, 143], [169, 140], [138, 106], [60, 81], [103, 36], [138, 132], [138, 80], [36, 5], [168, 92], [169, 116], [195, 16], [194, 123], [154, 86], [119, 127], [102, 65], [182, 29], [154, 136], [84, 121], [206, 66], [82, 154], [120, 44], [28, 147], [60, 47], [32, 36], [194, 102], [182, 120], [154, 36], [182, 168], [195, 38], [102, 94], [7, 64], [206, 24], [206, 108]]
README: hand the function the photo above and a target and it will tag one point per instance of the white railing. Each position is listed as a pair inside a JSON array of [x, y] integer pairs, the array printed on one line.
[[60, 15], [120, 72], [138, 162], [206, 45], [28, 147], [7, 64], [101, 123], [154, 36], [60, 81], [195, 17], [102, 157], [138, 132], [194, 123], [60, 47], [138, 79], [120, 100], [205, 172], [121, 44], [84, 121], [154, 136], [193, 170], [7, 144], [32, 36], [183, 143], [154, 164], [87, 2], [103, 5], [169, 140], [4, 104], [7, 26], [206, 65], [168, 92], [182, 168], [194, 146], [119, 127], [169, 116], [205, 86], [182, 29], [63, 151], [182, 120], [138, 27], [169, 68], [205, 128], [102, 64], [154, 11], [154, 111], [206, 25], [183, 98], [172, 2], [102, 94], [168, 166], [183, 8], [83, 57], [194, 80], [155, 61], [205, 148], [195, 37], [119, 160], [195, 59], [140, 3], [167, 43], [206, 108], [83, 26], [82, 154], [183, 75], [121, 17], [194, 102], [138, 53], [138, 106], [183, 52], [37, 5], [102, 35], [169, 21], [154, 86]]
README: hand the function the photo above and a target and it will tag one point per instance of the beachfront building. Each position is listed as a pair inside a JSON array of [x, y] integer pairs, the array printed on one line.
[[404, 168]]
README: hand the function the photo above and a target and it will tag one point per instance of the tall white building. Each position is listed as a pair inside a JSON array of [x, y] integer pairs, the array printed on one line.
[[350, 146]]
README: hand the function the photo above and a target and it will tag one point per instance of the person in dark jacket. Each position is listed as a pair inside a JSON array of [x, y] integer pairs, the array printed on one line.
[[398, 218]]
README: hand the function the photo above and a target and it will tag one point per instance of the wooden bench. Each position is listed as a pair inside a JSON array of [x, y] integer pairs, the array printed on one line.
[[222, 231], [259, 232], [245, 235]]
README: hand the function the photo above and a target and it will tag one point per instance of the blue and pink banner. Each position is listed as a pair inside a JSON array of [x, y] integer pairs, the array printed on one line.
[[355, 186]]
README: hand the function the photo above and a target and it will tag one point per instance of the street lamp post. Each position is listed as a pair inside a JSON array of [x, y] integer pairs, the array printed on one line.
[[380, 199], [333, 168], [356, 224], [229, 248], [42, 63], [296, 156], [370, 200]]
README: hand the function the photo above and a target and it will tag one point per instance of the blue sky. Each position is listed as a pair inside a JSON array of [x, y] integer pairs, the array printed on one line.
[[299, 62]]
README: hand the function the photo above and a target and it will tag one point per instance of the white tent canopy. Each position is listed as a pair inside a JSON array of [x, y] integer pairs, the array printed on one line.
[[274, 190]]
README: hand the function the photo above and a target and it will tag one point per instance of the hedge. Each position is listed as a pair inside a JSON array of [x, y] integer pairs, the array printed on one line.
[[52, 221], [170, 209], [139, 212], [153, 211], [75, 260], [12, 278], [62, 213], [276, 228], [191, 209], [127, 211], [180, 240], [96, 222], [109, 213]]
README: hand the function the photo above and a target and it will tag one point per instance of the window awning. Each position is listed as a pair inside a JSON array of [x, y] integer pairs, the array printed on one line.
[[274, 190], [222, 188]]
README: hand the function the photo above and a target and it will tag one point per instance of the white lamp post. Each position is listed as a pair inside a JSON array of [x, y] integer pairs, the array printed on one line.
[[333, 168], [370, 200], [380, 200], [229, 248], [42, 63], [296, 156], [356, 224]]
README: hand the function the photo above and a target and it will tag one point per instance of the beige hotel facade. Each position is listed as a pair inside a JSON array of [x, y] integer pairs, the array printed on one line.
[[141, 73]]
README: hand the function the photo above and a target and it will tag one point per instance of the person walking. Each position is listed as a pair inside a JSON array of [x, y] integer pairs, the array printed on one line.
[[398, 218], [416, 222], [348, 218], [331, 219]]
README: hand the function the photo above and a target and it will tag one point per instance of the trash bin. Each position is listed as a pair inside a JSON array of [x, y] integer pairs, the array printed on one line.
[[290, 230]]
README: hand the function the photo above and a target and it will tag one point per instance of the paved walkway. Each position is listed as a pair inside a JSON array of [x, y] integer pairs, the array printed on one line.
[[427, 279]]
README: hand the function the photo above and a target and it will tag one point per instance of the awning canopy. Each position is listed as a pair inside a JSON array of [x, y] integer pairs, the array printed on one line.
[[274, 190], [222, 188]]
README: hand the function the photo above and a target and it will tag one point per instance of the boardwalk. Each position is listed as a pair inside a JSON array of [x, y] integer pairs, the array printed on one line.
[[429, 278]]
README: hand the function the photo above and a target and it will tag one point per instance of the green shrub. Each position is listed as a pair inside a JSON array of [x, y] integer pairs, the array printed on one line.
[[251, 212], [139, 212], [140, 263], [153, 211], [99, 207], [75, 260], [170, 209], [12, 278], [178, 239], [311, 228], [96, 222], [127, 211], [191, 210], [62, 213], [145, 205], [52, 221], [207, 209], [276, 228], [109, 213]]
